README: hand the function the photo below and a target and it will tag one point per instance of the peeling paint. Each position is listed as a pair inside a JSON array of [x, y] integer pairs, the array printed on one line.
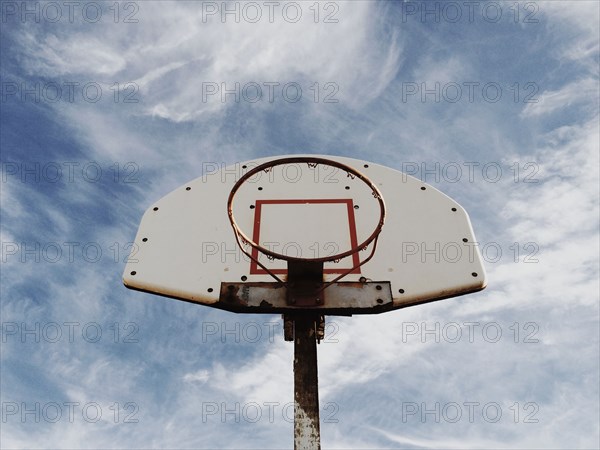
[[307, 433], [306, 430]]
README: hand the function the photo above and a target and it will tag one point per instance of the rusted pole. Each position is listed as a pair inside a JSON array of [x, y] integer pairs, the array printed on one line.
[[307, 434]]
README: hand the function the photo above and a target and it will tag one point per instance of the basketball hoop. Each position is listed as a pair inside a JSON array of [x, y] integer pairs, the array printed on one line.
[[184, 241], [243, 240]]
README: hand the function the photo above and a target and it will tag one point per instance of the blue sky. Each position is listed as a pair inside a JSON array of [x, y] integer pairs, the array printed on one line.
[[511, 86]]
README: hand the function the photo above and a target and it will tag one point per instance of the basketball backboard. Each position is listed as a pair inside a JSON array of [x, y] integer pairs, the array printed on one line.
[[186, 248]]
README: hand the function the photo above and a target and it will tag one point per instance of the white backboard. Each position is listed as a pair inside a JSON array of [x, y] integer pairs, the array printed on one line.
[[185, 246]]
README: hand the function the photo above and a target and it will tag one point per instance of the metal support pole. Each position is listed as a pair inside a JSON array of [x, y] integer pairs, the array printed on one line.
[[307, 433]]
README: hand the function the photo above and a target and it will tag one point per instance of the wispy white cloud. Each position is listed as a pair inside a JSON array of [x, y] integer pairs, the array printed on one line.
[[201, 376], [579, 93], [57, 56], [178, 48]]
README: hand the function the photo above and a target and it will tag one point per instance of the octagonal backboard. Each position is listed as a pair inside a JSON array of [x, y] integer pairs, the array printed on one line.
[[185, 246]]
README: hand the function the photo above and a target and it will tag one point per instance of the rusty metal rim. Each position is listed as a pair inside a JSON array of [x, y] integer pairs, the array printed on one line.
[[241, 237]]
